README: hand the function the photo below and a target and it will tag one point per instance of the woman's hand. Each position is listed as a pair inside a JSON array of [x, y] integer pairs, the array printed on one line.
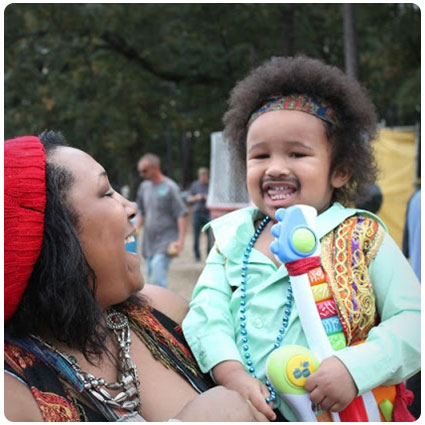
[[220, 404], [232, 375], [332, 386]]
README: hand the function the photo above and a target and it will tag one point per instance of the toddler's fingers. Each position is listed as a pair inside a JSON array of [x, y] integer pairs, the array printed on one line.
[[259, 401], [317, 396]]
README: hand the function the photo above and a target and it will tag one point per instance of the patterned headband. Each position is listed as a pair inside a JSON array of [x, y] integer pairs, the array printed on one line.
[[297, 102]]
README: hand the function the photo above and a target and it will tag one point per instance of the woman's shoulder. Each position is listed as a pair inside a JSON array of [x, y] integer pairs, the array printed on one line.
[[166, 301]]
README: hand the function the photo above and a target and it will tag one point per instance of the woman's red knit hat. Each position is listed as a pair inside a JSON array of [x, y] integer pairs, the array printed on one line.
[[24, 202]]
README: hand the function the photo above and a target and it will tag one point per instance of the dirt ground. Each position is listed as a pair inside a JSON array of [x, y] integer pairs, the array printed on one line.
[[184, 270]]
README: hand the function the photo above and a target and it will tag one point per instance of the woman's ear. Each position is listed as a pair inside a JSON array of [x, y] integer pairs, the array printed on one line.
[[339, 177]]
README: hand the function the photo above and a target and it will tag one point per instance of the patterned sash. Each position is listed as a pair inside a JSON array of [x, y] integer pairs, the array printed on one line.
[[346, 254]]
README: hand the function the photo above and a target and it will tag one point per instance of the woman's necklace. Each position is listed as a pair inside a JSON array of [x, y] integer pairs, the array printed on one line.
[[128, 380], [243, 311]]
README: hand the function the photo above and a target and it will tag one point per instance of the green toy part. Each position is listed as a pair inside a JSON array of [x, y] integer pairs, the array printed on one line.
[[303, 240], [288, 367], [386, 408]]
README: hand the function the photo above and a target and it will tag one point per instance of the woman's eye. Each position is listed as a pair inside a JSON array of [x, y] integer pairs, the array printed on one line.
[[109, 193]]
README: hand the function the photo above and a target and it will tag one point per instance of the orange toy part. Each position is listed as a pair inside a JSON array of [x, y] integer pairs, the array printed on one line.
[[384, 393], [316, 276]]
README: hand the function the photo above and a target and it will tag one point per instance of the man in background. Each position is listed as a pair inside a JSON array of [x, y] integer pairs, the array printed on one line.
[[198, 194], [163, 215]]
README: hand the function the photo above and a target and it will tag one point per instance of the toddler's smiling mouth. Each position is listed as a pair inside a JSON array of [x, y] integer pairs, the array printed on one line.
[[279, 190]]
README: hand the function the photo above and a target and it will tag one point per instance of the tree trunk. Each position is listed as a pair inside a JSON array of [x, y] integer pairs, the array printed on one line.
[[350, 45]]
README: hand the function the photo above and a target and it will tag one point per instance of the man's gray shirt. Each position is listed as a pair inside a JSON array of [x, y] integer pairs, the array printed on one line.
[[161, 205]]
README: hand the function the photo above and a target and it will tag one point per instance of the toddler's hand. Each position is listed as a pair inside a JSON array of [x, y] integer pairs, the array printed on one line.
[[233, 376], [332, 386]]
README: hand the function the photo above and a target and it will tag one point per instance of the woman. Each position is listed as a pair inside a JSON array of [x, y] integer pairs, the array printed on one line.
[[81, 342]]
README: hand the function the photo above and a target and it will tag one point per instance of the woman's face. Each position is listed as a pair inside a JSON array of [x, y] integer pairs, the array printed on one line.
[[103, 226]]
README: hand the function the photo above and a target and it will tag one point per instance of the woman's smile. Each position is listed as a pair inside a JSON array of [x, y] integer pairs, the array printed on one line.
[[104, 227]]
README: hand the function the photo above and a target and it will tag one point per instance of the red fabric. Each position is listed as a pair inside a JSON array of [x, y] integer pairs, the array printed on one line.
[[24, 202], [298, 267], [403, 399]]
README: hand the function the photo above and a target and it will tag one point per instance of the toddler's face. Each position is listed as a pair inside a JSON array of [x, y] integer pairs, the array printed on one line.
[[288, 162]]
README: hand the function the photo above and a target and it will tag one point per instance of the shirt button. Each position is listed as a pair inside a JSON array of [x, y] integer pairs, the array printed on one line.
[[258, 323]]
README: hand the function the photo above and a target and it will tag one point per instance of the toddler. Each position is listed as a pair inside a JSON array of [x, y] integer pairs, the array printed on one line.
[[303, 130]]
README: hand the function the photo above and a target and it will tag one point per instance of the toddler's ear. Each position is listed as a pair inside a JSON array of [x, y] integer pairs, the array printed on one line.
[[339, 177]]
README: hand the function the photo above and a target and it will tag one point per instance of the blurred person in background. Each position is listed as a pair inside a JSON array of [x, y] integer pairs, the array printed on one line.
[[412, 251], [163, 215], [198, 195]]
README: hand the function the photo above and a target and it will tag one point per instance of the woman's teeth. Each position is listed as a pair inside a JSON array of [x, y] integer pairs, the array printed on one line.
[[129, 239]]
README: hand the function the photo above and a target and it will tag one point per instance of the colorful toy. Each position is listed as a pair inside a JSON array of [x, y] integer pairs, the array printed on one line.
[[298, 247]]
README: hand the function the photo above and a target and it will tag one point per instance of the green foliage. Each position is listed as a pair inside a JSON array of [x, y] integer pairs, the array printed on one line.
[[123, 79]]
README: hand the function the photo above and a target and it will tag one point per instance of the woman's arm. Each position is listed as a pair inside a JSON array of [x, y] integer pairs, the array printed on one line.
[[19, 403], [166, 301], [220, 405]]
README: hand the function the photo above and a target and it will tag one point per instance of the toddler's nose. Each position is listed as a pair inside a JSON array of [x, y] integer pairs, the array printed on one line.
[[278, 167]]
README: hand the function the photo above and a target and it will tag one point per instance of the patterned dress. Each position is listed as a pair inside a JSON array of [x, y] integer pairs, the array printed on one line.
[[59, 394]]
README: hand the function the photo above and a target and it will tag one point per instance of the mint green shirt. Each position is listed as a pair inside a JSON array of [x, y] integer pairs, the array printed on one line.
[[391, 352]]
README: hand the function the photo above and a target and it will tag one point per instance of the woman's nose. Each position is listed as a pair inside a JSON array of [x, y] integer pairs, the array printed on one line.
[[131, 207], [132, 210]]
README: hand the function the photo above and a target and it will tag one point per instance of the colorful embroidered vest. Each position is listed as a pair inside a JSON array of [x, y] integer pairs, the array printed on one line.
[[346, 254]]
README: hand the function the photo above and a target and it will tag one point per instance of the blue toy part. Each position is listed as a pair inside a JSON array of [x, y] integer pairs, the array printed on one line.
[[294, 234], [332, 325]]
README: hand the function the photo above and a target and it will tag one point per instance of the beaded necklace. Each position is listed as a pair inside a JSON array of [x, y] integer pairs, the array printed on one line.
[[243, 311], [128, 380]]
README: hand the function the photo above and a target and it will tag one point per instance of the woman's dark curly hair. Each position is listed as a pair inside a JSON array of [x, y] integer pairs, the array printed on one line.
[[60, 295], [350, 140]]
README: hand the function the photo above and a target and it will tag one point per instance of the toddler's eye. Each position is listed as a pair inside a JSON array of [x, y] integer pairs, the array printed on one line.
[[298, 155], [261, 156]]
